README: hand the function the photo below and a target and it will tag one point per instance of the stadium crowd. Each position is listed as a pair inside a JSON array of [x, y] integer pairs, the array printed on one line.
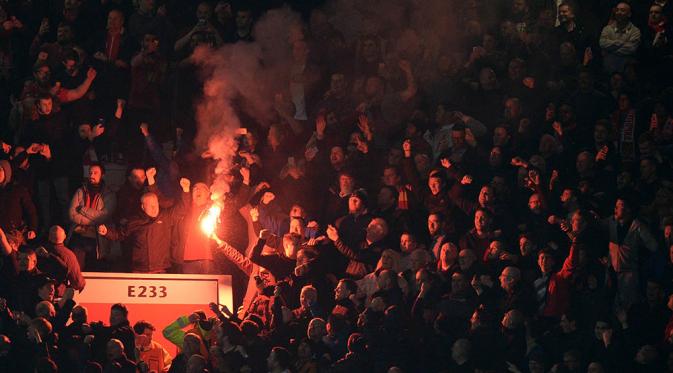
[[498, 198]]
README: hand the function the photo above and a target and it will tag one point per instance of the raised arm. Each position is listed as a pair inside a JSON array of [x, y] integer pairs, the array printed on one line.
[[77, 93], [235, 256], [5, 247], [571, 262]]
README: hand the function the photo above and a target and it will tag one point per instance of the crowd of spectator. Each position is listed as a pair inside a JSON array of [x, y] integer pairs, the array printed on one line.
[[497, 201]]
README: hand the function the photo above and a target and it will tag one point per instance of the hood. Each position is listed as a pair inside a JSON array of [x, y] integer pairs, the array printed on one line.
[[8, 172]]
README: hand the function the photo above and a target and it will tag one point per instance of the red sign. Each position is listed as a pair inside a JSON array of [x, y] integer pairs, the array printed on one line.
[[157, 298]]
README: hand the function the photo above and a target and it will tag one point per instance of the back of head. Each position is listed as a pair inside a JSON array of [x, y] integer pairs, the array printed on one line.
[[196, 364], [42, 326], [357, 343], [283, 358], [56, 235]]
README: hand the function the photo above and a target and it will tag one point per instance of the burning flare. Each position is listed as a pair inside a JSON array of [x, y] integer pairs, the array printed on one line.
[[209, 219]]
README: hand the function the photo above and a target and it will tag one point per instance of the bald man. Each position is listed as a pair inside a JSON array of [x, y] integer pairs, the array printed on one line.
[[60, 262], [147, 237], [117, 357], [517, 294]]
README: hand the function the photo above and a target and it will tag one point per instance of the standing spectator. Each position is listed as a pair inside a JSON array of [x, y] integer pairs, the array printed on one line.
[[45, 140], [151, 231], [129, 194], [72, 276], [119, 330], [553, 290], [197, 256], [619, 40], [93, 204], [151, 20], [628, 239], [113, 51], [17, 204], [148, 72]]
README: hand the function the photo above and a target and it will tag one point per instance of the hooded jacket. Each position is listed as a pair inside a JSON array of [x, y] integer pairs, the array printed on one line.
[[174, 332], [18, 209]]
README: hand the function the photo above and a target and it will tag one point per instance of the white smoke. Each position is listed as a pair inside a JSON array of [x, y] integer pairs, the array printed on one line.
[[245, 77], [242, 78]]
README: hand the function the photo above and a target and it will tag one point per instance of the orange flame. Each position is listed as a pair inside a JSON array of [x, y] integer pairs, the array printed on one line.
[[209, 219]]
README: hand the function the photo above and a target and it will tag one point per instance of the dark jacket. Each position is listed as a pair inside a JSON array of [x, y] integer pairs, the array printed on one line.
[[150, 238], [362, 260], [73, 275], [352, 362], [104, 333], [280, 266], [18, 209]]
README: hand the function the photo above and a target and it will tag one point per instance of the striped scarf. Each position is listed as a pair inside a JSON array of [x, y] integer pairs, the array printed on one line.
[[403, 199], [627, 136]]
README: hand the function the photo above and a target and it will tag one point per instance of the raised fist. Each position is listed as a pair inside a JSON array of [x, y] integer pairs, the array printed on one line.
[[254, 214], [268, 197], [91, 73], [214, 307], [102, 230], [151, 172], [185, 184], [264, 234], [194, 317]]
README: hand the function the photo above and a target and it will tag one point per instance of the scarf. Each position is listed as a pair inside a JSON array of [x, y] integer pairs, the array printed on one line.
[[627, 135]]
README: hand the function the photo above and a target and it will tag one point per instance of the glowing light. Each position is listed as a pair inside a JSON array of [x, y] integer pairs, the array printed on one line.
[[209, 219]]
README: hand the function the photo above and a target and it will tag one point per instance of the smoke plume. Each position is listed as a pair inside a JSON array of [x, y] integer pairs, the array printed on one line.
[[244, 77]]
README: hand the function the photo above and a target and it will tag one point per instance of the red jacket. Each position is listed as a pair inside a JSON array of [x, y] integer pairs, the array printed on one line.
[[559, 286]]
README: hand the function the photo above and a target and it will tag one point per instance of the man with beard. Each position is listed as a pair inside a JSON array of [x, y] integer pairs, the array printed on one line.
[[92, 204], [129, 194], [53, 53]]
